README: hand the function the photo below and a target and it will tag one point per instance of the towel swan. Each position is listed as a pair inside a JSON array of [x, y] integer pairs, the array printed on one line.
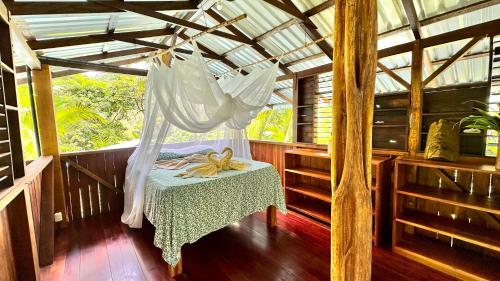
[[214, 166]]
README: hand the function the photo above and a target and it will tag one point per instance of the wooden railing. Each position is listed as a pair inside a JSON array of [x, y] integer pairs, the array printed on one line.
[[27, 222], [93, 181]]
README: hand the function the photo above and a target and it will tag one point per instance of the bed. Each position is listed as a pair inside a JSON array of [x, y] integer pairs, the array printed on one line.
[[184, 210]]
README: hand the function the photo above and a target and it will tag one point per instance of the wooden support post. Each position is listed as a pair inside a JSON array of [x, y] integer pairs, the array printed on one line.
[[355, 66], [42, 82], [271, 217], [416, 99]]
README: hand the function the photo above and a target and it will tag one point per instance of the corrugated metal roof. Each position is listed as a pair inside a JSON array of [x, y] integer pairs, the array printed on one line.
[[262, 17]]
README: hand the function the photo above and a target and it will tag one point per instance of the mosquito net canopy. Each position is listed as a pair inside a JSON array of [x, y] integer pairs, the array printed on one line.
[[187, 96]]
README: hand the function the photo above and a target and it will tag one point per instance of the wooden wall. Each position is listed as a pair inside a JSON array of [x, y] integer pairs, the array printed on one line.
[[93, 181], [26, 223]]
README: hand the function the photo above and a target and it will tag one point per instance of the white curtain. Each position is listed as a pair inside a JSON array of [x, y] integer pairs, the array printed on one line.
[[189, 97]]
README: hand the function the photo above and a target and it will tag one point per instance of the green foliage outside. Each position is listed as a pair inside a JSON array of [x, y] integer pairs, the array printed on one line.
[[91, 113], [96, 112], [272, 125]]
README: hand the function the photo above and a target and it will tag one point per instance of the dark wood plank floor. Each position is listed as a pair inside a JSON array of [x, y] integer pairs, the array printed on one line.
[[101, 248]]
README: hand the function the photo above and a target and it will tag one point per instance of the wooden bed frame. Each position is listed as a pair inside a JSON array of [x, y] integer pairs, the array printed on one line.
[[174, 270]]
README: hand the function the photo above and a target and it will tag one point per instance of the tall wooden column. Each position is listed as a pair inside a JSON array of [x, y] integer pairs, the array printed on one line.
[[416, 99], [354, 68], [44, 102]]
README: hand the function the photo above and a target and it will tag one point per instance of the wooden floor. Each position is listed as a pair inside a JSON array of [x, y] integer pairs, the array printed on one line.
[[101, 248]]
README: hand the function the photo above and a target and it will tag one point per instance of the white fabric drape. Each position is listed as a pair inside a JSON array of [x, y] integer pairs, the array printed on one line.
[[188, 97]]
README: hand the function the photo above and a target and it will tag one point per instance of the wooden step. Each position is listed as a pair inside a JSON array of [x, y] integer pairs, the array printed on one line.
[[456, 198], [474, 234]]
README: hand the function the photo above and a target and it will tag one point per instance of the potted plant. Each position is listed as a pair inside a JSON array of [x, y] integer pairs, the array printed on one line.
[[484, 121]]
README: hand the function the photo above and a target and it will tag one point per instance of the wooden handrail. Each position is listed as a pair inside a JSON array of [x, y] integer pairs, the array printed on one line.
[[32, 170]]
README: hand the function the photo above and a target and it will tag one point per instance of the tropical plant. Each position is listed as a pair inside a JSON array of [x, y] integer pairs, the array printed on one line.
[[486, 120]]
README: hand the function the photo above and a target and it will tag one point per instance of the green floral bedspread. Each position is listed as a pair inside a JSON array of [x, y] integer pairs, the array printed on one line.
[[184, 210]]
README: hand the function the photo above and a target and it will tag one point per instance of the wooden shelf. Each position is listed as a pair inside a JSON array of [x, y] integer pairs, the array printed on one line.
[[478, 235], [302, 124], [309, 152], [311, 191], [455, 198], [461, 263], [305, 105], [390, 109], [389, 126], [452, 113], [315, 173], [317, 211], [477, 168]]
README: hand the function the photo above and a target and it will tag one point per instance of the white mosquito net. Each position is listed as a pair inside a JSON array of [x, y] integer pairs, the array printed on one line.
[[189, 97]]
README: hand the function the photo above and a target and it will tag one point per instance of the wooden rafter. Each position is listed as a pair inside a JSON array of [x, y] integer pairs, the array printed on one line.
[[207, 50], [110, 29], [446, 15], [277, 29], [412, 16], [208, 30], [282, 96], [487, 28], [29, 56], [460, 11], [170, 19], [58, 7], [91, 39], [255, 45], [69, 72], [394, 75], [291, 10], [92, 66], [454, 58], [311, 30], [305, 59], [319, 8], [103, 56]]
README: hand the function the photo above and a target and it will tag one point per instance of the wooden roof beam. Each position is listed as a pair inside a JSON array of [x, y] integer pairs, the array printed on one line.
[[411, 15], [58, 7], [277, 29], [319, 8], [440, 17], [207, 50], [487, 28], [28, 55], [103, 56], [393, 75], [69, 72], [302, 60], [91, 39], [454, 58], [255, 45], [126, 6], [92, 66], [460, 11], [311, 30], [282, 96]]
